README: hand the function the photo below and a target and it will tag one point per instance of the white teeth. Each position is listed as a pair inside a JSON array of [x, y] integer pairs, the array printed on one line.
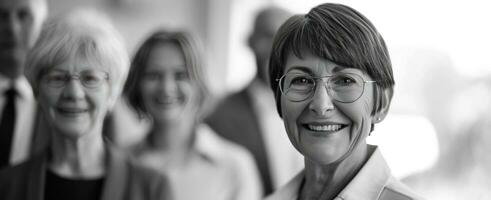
[[325, 127]]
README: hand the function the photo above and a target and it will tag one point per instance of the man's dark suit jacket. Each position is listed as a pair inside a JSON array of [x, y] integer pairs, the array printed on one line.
[[41, 134], [235, 120]]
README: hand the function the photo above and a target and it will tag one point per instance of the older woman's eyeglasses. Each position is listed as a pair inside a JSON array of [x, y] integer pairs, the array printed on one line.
[[89, 79], [342, 87]]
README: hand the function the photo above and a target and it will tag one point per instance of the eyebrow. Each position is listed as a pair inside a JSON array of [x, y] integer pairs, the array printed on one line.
[[300, 68], [308, 70], [56, 70]]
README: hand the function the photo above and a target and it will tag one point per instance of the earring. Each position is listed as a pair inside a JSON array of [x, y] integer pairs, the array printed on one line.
[[378, 119]]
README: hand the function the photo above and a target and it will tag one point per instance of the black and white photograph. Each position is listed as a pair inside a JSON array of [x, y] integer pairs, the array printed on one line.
[[245, 100]]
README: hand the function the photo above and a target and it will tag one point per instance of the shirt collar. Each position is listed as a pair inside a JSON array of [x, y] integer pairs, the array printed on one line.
[[22, 86], [367, 184], [207, 143], [370, 180]]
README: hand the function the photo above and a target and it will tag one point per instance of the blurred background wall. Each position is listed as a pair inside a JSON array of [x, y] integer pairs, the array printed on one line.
[[436, 133]]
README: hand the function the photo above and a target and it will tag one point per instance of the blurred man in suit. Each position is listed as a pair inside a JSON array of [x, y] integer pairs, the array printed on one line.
[[20, 127], [249, 117]]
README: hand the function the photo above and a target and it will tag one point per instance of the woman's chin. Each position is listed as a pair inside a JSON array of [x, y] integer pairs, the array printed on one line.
[[324, 150], [169, 116], [322, 158], [71, 132]]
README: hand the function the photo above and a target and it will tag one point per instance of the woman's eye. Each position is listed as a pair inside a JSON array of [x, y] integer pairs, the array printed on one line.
[[56, 78], [301, 81], [344, 80], [90, 78], [182, 76], [24, 14], [151, 76]]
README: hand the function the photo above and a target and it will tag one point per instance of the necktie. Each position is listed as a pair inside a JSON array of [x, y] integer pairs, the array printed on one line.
[[7, 127]]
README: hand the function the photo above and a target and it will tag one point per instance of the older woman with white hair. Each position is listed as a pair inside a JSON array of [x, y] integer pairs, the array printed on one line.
[[77, 69]]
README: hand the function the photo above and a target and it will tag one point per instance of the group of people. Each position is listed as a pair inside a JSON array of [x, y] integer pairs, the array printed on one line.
[[331, 80]]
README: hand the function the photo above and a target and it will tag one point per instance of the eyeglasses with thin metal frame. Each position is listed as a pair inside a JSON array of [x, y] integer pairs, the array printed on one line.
[[89, 79], [342, 87]]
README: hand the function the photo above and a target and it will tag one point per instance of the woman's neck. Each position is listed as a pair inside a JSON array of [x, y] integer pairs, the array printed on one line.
[[174, 141], [324, 182], [82, 157]]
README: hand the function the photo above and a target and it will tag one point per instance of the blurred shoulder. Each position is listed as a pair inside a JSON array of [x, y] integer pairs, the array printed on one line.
[[14, 180], [219, 149], [144, 182], [21, 169], [135, 167]]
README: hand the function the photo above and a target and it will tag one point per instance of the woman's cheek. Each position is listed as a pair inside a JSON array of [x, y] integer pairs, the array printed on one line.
[[291, 111], [190, 94], [359, 113], [365, 107]]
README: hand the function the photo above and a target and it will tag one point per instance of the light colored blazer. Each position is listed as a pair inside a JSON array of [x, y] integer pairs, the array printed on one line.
[[219, 170]]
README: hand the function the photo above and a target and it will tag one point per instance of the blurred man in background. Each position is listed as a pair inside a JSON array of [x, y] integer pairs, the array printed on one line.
[[249, 117], [20, 130]]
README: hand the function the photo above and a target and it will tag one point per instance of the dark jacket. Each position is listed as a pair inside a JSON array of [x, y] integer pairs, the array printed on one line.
[[235, 119], [41, 134], [124, 180]]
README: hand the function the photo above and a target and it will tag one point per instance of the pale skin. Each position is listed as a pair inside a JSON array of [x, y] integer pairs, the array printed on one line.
[[78, 158], [76, 114], [332, 158], [171, 100]]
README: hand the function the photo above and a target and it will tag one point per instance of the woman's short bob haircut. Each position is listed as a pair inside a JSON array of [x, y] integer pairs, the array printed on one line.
[[192, 52], [79, 35], [337, 33]]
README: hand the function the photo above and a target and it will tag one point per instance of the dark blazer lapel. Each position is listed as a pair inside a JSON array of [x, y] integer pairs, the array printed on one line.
[[36, 174], [117, 175], [41, 133]]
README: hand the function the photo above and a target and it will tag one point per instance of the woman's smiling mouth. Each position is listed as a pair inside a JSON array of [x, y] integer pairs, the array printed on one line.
[[322, 129], [71, 111], [167, 101]]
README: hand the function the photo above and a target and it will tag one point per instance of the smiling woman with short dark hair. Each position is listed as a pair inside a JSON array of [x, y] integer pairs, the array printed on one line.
[[332, 78]]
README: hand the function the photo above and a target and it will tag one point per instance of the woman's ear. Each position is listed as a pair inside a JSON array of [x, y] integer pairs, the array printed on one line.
[[385, 99]]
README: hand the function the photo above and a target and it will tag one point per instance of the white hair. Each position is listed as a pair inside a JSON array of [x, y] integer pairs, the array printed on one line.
[[84, 34]]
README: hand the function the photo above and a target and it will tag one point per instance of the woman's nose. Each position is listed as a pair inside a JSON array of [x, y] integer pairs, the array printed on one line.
[[321, 103], [168, 84], [73, 90]]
